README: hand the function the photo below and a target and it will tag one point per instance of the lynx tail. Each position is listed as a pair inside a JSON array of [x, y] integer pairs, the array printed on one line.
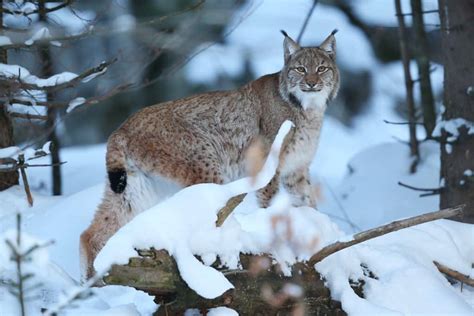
[[116, 163]]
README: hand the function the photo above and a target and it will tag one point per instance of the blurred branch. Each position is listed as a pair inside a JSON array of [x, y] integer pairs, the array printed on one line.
[[306, 20], [98, 31], [423, 63], [27, 116], [414, 150], [383, 230], [187, 59]]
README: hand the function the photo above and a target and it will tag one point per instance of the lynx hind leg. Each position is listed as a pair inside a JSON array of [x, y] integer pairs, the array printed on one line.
[[111, 214]]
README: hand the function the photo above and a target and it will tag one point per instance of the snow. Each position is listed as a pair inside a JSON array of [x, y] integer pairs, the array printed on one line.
[[222, 311], [74, 103], [452, 126], [41, 34], [5, 40], [94, 75], [18, 72], [9, 152], [407, 280]]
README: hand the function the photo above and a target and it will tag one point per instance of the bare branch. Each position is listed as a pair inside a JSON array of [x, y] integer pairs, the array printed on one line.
[[383, 230], [454, 274], [306, 20]]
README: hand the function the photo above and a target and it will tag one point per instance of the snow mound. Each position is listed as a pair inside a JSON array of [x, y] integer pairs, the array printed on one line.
[[403, 278]]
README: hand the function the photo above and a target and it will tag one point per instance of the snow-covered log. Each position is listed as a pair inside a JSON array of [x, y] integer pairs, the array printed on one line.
[[259, 287]]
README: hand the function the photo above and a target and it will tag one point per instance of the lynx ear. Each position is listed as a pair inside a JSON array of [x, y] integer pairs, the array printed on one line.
[[329, 45], [289, 45]]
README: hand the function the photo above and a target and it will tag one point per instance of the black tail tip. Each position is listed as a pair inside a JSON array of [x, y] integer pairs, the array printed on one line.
[[118, 180]]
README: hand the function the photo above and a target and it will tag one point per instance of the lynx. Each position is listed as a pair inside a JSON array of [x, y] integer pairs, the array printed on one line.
[[204, 138]]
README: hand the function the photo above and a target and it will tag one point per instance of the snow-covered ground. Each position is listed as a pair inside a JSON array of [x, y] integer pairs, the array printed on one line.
[[357, 171]]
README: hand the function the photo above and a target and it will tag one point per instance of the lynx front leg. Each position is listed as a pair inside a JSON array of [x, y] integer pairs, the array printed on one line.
[[297, 184], [265, 194]]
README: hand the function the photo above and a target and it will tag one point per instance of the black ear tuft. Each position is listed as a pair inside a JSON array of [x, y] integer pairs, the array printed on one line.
[[334, 32], [284, 33]]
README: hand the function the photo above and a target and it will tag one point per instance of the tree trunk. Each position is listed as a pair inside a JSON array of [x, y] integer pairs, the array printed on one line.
[[47, 71], [7, 179], [458, 46], [423, 63]]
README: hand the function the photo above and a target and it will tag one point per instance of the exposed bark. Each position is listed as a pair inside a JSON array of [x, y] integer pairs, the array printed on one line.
[[47, 71], [7, 179], [231, 204], [383, 230], [458, 46], [408, 86], [423, 63], [256, 292]]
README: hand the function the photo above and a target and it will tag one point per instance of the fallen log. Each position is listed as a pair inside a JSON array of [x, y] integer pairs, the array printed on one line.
[[260, 287]]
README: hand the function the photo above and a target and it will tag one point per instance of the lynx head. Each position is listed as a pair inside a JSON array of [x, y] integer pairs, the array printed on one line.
[[310, 76]]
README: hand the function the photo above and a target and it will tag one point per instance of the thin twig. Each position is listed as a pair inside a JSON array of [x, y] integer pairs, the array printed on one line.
[[21, 163], [429, 192], [402, 123], [383, 230], [423, 12], [306, 20], [454, 274]]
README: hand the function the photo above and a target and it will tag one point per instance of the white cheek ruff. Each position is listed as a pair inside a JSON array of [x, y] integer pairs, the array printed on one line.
[[308, 100]]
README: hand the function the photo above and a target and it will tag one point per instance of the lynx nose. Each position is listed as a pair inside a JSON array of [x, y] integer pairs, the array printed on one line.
[[311, 84]]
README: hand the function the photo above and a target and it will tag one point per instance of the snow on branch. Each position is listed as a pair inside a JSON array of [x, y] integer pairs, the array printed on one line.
[[28, 8], [383, 230], [15, 77]]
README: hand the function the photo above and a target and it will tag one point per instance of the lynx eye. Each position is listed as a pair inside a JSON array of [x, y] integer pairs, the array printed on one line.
[[322, 69], [301, 69]]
